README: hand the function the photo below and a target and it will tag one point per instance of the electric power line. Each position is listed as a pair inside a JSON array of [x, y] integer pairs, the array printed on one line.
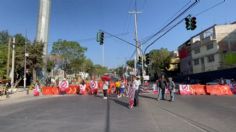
[[205, 10], [163, 35], [193, 4], [119, 38]]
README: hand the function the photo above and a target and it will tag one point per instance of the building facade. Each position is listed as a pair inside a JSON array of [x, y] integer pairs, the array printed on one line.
[[212, 49]]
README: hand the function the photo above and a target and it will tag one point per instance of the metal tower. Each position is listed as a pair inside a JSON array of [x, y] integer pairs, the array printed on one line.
[[43, 24]]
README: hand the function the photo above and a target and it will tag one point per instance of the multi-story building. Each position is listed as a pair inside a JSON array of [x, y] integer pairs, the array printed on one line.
[[212, 49], [185, 58]]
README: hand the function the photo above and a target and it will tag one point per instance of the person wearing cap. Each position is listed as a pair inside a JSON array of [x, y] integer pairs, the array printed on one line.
[[136, 84]]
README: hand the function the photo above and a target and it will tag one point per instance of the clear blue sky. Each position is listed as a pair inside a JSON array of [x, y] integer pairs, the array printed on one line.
[[80, 20]]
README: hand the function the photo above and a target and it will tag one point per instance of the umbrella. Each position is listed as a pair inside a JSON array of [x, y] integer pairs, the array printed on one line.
[[105, 78]]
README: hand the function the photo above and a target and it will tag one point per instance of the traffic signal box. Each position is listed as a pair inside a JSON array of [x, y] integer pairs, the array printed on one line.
[[147, 59], [100, 37], [193, 23], [190, 23]]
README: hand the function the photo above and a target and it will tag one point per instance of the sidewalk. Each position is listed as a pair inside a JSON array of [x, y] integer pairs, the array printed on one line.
[[16, 96]]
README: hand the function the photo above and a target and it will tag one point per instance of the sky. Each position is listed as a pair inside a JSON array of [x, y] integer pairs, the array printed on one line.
[[80, 20]]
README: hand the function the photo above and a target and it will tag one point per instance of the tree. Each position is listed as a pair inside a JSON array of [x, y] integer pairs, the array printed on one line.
[[100, 70], [3, 60], [71, 52], [159, 58], [4, 36], [130, 63], [35, 60], [119, 71]]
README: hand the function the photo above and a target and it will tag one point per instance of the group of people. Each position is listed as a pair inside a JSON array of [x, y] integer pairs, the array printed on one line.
[[129, 88], [163, 85]]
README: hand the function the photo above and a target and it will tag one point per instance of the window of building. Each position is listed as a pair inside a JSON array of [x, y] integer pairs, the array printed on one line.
[[196, 61], [208, 33], [211, 58], [197, 50], [210, 46]]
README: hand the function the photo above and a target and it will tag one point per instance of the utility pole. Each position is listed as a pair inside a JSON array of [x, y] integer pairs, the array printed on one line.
[[8, 56], [25, 57], [13, 63], [135, 12]]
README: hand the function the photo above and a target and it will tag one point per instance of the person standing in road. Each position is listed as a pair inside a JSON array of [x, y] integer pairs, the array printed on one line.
[[131, 93], [136, 84], [161, 88], [122, 88], [105, 88], [118, 83], [171, 86]]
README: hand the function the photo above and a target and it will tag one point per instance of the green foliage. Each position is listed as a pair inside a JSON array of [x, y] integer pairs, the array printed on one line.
[[50, 65], [100, 70], [69, 50], [130, 63], [119, 71], [71, 53], [3, 60], [230, 58], [4, 36], [159, 59]]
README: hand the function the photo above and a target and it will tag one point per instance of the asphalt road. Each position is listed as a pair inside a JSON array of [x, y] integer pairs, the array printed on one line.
[[94, 114]]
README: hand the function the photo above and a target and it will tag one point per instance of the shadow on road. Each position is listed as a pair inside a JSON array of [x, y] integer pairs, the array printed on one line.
[[148, 97], [107, 127], [126, 105], [98, 96]]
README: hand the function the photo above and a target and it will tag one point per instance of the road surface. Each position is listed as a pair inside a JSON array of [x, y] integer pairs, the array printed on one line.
[[94, 114]]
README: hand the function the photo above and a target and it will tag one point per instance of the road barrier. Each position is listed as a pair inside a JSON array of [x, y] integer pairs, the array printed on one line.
[[198, 89], [50, 90], [72, 89], [218, 90], [184, 89]]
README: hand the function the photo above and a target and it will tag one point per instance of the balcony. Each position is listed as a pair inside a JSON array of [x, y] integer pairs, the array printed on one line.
[[208, 39]]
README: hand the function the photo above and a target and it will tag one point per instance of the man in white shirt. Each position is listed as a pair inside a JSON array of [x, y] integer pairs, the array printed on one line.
[[136, 84]]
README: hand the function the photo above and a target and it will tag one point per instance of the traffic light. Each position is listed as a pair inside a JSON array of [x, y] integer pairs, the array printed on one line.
[[147, 59], [188, 23], [98, 36], [101, 38], [193, 23]]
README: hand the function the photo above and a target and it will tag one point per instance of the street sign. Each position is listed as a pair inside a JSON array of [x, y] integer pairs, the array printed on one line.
[[63, 84]]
